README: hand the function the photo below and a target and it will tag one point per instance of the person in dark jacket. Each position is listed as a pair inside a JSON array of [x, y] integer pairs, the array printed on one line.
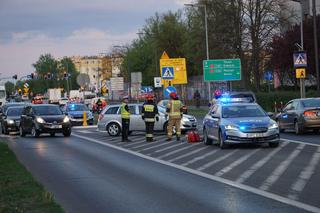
[[149, 115]]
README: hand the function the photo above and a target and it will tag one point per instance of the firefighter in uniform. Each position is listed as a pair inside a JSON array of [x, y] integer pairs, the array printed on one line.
[[125, 118], [149, 114], [174, 109]]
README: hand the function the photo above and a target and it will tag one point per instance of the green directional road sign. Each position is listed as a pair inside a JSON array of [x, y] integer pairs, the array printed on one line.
[[222, 70]]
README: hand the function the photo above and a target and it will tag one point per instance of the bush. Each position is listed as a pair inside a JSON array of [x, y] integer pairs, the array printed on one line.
[[268, 100]]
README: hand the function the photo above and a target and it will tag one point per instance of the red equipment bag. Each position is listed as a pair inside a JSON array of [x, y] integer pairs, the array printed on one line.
[[193, 137]]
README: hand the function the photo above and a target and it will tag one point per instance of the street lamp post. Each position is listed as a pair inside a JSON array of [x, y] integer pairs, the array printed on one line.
[[315, 39], [207, 40]]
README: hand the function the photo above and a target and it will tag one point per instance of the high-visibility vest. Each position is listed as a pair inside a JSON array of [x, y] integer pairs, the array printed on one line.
[[175, 106], [124, 113], [149, 111]]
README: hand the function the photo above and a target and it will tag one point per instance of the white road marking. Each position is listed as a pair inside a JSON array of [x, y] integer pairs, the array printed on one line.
[[211, 163], [169, 147], [259, 164], [281, 169], [145, 149], [300, 142], [187, 154], [304, 176], [144, 145], [85, 127], [175, 151], [269, 195], [199, 158], [85, 131], [235, 163]]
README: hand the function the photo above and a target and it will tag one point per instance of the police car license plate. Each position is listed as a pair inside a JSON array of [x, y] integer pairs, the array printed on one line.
[[56, 126], [254, 135]]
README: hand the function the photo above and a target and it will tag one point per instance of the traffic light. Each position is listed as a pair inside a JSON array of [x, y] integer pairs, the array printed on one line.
[[32, 75], [65, 75], [15, 77], [19, 91]]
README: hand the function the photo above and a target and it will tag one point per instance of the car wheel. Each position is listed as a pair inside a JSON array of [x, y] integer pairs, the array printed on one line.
[[274, 145], [66, 133], [222, 144], [52, 134], [113, 129], [34, 132], [298, 130], [206, 139], [280, 129], [21, 132]]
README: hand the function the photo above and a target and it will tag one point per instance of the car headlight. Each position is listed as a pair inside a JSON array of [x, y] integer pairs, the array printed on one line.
[[40, 120], [231, 127], [273, 126], [66, 119], [10, 121]]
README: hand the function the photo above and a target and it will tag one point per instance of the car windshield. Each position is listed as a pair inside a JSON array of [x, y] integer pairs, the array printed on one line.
[[14, 111], [47, 110], [77, 107], [242, 111], [311, 103], [6, 107]]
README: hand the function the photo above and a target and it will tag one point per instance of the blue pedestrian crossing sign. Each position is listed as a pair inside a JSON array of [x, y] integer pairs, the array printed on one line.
[[167, 73], [169, 90], [300, 59]]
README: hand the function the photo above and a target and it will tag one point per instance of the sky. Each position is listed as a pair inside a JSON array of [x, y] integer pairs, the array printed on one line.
[[29, 28]]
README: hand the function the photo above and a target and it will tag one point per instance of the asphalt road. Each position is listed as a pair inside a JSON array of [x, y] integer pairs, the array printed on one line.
[[92, 172]]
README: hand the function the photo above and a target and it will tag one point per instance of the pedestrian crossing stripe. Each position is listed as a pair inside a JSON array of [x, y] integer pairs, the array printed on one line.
[[167, 73]]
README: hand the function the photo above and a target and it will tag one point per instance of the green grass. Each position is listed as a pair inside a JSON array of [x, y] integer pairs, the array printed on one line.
[[19, 192]]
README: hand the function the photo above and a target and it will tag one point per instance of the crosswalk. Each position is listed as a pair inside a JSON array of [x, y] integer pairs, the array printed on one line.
[[291, 171]]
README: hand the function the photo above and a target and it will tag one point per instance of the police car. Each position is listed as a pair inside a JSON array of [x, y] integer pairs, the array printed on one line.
[[235, 121]]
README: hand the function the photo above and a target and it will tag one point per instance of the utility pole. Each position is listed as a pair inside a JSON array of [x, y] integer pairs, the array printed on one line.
[[207, 39], [315, 40]]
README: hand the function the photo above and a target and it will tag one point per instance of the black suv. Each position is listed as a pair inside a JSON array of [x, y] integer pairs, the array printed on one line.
[[44, 118]]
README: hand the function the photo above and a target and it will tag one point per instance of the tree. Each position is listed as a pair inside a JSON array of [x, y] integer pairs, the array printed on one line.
[[9, 88], [45, 65], [282, 48]]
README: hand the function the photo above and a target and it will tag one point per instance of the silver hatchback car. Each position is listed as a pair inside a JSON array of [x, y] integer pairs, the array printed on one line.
[[110, 120]]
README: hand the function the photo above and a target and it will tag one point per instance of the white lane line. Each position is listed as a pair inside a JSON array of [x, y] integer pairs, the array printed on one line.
[[281, 169], [188, 154], [200, 157], [235, 163], [85, 127], [300, 142], [304, 176], [85, 131], [176, 151], [145, 149], [244, 176], [256, 191], [211, 163], [144, 145], [169, 147]]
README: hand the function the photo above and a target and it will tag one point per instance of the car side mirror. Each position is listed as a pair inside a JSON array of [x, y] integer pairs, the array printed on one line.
[[270, 114], [215, 116]]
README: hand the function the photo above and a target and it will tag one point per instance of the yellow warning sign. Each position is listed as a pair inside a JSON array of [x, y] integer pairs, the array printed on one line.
[[164, 55], [301, 73], [179, 70]]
